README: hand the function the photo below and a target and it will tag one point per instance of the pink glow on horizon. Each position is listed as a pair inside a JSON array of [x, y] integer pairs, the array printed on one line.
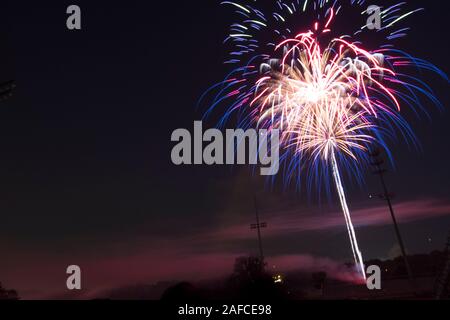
[[147, 260]]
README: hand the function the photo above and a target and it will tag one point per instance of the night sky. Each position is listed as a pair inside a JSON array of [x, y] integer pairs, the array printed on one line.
[[85, 170]]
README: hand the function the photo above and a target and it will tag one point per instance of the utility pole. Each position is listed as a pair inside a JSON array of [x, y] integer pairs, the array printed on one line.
[[258, 226], [377, 163], [443, 280]]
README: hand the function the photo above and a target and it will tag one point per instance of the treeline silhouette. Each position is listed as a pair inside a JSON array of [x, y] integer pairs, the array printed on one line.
[[249, 281], [8, 294]]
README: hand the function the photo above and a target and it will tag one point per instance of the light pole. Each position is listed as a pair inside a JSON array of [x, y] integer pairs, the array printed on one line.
[[258, 226], [377, 163], [6, 89]]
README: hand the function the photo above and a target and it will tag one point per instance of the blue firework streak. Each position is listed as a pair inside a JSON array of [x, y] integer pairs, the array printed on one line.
[[294, 70]]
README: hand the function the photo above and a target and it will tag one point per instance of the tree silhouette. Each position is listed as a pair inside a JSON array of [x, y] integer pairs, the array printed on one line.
[[182, 292], [8, 294], [248, 269], [319, 280], [250, 281]]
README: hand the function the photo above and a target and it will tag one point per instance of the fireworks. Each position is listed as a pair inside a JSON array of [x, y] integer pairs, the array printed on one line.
[[330, 98], [319, 99]]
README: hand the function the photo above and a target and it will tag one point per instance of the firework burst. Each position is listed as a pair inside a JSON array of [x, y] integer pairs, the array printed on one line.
[[330, 98]]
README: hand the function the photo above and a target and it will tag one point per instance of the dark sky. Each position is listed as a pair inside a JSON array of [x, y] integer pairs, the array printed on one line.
[[85, 170]]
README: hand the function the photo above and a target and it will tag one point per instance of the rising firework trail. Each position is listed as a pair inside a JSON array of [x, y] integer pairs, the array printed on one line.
[[328, 96]]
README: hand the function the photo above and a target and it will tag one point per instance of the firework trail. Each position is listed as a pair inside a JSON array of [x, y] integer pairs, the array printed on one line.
[[330, 98]]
